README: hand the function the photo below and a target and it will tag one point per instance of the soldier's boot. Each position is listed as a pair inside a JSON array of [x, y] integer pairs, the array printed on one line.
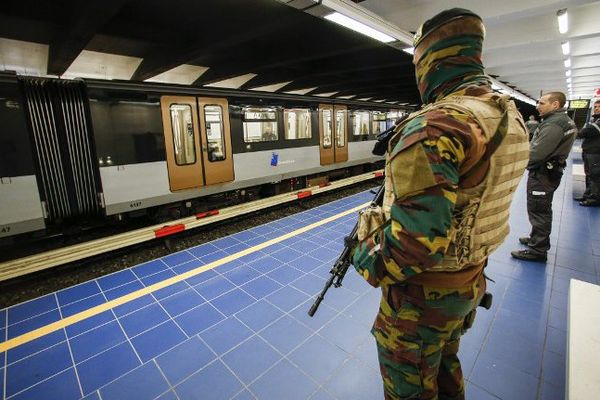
[[524, 240], [529, 255]]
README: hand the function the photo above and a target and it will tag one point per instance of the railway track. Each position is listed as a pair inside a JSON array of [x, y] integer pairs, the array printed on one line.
[[41, 261]]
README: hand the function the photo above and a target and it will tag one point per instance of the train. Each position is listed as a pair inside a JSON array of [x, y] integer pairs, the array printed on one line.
[[84, 152]]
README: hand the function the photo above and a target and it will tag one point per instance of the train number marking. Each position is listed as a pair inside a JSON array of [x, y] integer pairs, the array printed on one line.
[[5, 229], [135, 204]]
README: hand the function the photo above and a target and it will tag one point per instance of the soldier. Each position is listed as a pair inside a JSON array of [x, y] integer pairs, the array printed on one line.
[[590, 146], [451, 171], [550, 148]]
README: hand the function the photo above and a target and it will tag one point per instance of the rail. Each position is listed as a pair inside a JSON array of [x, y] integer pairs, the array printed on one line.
[[37, 262]]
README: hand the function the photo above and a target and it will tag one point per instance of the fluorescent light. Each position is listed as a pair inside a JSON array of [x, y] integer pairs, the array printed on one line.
[[567, 63], [563, 20], [409, 50], [566, 48], [359, 27], [569, 80], [502, 88], [568, 72]]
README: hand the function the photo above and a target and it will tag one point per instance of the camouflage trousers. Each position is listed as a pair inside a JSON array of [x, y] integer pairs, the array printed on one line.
[[418, 332]]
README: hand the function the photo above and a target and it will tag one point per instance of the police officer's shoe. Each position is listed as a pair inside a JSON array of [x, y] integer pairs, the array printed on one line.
[[524, 240], [528, 255], [590, 203]]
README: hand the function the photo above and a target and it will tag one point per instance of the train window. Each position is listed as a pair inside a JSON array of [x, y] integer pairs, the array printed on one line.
[[360, 122], [213, 115], [379, 122], [393, 116], [326, 128], [260, 124], [340, 128], [297, 123], [183, 134]]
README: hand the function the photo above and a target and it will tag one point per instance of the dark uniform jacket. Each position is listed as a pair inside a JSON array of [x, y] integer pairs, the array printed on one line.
[[590, 134], [552, 140]]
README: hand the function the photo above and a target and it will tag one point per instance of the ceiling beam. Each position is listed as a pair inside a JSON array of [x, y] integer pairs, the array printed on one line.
[[83, 24], [164, 58]]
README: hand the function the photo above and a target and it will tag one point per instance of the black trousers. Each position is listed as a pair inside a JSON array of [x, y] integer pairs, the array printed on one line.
[[591, 166], [541, 186]]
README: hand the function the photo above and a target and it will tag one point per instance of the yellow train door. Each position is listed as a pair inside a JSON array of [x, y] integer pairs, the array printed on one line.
[[333, 131], [182, 142], [197, 141], [216, 140]]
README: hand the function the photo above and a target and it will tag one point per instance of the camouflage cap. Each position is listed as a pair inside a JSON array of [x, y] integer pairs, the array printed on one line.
[[441, 19]]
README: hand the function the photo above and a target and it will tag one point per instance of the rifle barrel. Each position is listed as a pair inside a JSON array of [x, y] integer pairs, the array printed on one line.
[[340, 267]]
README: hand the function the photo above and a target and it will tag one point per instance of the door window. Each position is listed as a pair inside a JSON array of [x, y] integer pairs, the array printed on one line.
[[340, 128], [213, 115], [183, 134], [327, 137]]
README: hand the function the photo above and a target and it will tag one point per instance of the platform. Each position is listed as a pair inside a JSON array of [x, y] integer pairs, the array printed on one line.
[[228, 320]]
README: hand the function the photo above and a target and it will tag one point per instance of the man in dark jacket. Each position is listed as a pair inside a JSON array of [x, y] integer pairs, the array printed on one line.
[[591, 159], [549, 150]]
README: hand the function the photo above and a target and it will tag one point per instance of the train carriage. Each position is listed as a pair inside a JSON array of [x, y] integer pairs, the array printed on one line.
[[76, 152]]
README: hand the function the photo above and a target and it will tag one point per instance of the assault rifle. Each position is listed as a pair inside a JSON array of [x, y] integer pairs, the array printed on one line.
[[340, 267]]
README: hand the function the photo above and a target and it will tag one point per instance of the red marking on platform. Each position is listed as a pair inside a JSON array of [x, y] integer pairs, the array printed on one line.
[[207, 214], [304, 194], [324, 184], [169, 230], [378, 174]]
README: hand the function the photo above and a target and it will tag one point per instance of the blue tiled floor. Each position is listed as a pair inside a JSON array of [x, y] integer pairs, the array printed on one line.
[[240, 331]]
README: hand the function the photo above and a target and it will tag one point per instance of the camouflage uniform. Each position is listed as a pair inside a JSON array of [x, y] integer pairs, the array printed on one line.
[[436, 156]]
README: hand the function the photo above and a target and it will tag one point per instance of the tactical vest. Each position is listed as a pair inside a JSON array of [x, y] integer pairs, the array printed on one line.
[[480, 218]]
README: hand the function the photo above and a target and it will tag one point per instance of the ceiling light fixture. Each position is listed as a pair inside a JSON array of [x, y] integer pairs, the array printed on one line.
[[359, 27], [385, 30], [563, 20], [567, 63], [566, 48], [568, 72], [502, 88], [569, 80]]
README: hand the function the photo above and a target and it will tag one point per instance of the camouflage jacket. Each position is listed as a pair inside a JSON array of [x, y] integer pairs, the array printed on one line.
[[430, 158]]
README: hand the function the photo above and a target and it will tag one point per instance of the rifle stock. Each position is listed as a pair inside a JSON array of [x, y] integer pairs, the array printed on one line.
[[341, 265]]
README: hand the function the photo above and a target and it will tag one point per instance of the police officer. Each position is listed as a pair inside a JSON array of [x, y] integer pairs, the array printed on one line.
[[549, 150], [451, 171], [590, 146]]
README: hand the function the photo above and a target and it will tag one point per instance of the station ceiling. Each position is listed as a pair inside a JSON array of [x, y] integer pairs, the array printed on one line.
[[523, 43], [287, 46], [246, 44]]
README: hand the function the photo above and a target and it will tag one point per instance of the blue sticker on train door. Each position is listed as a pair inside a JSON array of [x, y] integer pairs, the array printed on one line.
[[274, 159]]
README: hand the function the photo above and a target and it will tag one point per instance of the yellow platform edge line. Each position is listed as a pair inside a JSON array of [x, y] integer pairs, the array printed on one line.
[[64, 322]]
